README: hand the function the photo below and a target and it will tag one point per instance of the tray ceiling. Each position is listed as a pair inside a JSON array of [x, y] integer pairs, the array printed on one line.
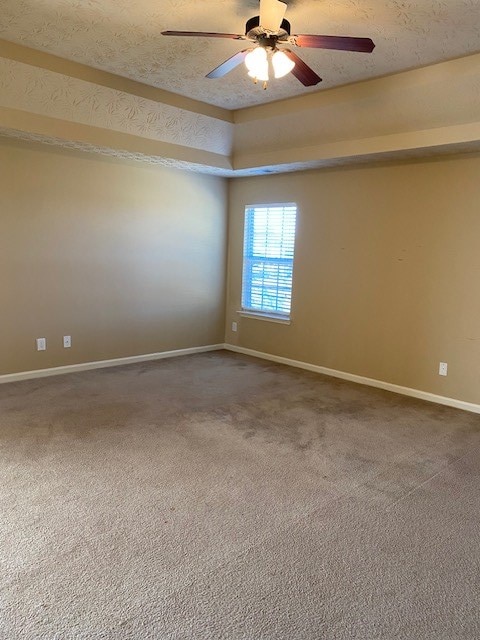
[[123, 37]]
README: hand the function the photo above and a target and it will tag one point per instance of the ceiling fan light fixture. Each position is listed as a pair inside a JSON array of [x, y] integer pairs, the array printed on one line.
[[255, 57], [256, 62], [281, 64], [259, 74]]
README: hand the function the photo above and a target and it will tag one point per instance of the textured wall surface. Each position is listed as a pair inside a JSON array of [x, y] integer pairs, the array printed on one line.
[[55, 95], [422, 108], [425, 111]]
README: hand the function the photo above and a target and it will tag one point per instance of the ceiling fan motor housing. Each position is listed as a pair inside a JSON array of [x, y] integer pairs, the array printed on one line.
[[255, 32]]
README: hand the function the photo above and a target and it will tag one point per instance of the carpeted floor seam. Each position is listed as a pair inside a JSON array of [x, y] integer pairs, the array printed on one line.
[[441, 471]]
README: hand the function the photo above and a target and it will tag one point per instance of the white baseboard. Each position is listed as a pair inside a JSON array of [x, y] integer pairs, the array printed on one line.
[[101, 364], [371, 382], [115, 362]]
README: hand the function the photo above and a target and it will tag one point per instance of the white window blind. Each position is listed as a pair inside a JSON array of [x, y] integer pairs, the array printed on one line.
[[269, 243]]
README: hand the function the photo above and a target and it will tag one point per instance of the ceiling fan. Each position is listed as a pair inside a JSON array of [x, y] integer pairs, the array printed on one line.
[[267, 31]]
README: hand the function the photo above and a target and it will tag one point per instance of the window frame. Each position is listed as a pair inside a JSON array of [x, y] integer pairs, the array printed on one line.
[[249, 257]]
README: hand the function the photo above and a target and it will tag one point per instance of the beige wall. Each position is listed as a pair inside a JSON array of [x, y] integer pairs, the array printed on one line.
[[387, 272], [127, 259], [130, 259]]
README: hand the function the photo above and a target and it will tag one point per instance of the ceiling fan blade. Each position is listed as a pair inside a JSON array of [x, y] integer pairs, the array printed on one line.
[[301, 70], [271, 14], [203, 34], [228, 65], [343, 43]]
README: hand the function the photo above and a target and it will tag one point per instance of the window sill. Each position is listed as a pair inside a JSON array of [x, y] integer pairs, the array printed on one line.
[[265, 316]]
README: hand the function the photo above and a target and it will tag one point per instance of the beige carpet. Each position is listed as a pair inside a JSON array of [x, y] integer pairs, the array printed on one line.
[[218, 496]]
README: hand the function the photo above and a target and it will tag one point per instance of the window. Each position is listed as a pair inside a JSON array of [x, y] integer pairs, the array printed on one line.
[[268, 259]]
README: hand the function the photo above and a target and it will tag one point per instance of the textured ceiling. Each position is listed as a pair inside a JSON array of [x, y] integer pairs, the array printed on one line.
[[123, 37]]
